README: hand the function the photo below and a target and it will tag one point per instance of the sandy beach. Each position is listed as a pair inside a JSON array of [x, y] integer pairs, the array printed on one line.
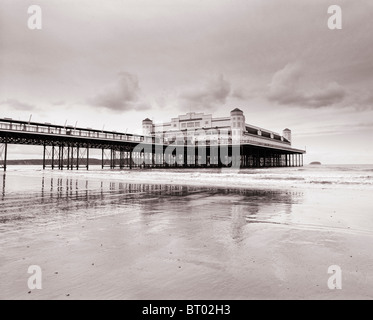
[[134, 236]]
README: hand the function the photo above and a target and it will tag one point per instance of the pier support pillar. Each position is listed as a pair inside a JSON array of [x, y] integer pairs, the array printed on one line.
[[53, 150], [71, 158], [102, 158], [108, 158], [185, 157], [112, 159], [87, 158], [68, 158], [53, 156], [44, 153], [60, 157], [214, 155], [61, 154], [121, 159], [49, 156], [77, 157], [3, 155]]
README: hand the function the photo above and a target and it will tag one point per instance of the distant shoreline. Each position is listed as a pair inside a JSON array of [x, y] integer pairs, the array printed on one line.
[[39, 162], [94, 161]]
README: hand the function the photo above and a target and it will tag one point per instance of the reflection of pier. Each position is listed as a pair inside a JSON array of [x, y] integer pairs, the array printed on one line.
[[3, 189], [63, 198], [262, 207], [68, 148]]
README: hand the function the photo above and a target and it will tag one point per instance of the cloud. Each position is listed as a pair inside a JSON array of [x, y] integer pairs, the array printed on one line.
[[361, 100], [59, 103], [17, 105], [288, 87], [213, 92], [242, 94], [123, 95]]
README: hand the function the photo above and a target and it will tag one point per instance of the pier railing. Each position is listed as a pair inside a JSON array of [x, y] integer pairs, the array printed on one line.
[[10, 125]]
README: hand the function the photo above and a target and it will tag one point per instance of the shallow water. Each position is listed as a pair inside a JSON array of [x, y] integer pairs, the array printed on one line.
[[173, 241]]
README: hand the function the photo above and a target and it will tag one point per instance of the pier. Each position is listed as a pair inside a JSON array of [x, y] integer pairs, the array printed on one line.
[[68, 147]]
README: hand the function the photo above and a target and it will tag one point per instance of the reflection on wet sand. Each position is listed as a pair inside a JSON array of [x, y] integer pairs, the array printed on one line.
[[156, 241], [61, 198], [3, 187]]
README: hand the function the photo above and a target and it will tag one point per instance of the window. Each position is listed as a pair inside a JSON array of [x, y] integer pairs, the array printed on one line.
[[197, 124], [174, 125], [206, 122], [234, 124], [190, 124], [234, 118], [183, 125]]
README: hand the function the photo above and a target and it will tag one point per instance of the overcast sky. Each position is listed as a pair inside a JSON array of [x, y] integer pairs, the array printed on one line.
[[113, 63]]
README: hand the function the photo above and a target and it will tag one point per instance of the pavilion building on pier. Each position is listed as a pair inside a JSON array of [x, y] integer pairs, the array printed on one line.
[[194, 127]]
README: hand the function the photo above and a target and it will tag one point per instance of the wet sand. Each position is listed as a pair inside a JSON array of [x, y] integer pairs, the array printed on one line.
[[113, 240]]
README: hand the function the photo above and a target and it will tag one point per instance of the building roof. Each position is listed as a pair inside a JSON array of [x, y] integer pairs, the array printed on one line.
[[287, 129], [147, 119], [236, 109]]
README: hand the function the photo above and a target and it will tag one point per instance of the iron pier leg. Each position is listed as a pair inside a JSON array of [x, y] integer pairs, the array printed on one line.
[[52, 157], [102, 159], [112, 159], [61, 156], [68, 157], [152, 158], [72, 158], [87, 158], [44, 156], [77, 157], [5, 155], [58, 157]]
